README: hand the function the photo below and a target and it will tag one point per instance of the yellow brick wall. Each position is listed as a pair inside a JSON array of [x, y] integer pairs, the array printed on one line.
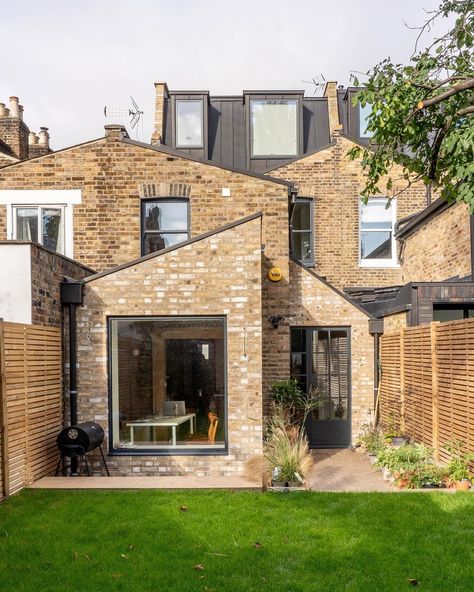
[[335, 183], [440, 248], [314, 304], [162, 286]]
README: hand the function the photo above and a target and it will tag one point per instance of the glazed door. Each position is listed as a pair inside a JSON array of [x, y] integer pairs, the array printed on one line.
[[321, 359]]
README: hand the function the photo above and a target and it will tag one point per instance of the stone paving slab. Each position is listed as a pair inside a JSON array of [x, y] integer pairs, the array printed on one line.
[[164, 482], [343, 469]]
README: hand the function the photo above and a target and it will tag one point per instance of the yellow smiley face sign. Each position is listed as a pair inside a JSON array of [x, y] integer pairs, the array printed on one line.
[[275, 274]]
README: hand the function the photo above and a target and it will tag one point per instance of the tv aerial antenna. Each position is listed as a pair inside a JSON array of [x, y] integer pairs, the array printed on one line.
[[134, 113], [317, 81]]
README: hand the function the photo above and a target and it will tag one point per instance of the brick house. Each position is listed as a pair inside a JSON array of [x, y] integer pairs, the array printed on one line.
[[223, 255]]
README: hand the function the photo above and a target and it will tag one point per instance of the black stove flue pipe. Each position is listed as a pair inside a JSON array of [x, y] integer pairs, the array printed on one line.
[[71, 296]]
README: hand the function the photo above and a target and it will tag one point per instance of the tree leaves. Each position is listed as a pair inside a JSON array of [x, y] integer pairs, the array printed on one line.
[[422, 115]]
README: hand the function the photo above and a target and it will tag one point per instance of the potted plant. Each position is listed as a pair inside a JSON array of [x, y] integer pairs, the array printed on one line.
[[457, 470]]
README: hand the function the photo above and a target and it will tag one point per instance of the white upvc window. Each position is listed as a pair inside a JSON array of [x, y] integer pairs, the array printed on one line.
[[42, 215], [377, 244], [40, 224]]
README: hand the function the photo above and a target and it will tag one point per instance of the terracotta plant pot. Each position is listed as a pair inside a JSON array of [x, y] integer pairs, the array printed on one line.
[[463, 485], [402, 483]]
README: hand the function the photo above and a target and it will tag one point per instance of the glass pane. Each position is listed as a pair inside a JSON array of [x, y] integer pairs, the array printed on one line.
[[375, 214], [156, 242], [27, 224], [376, 245], [166, 215], [298, 363], [274, 127], [364, 113], [448, 314], [298, 340], [330, 361], [189, 123], [51, 228], [168, 383], [302, 247], [302, 216]]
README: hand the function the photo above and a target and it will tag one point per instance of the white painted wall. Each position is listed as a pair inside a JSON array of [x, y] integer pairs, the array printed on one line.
[[15, 283]]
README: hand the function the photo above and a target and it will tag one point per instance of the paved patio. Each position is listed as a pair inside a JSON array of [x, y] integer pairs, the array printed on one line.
[[344, 470], [164, 482]]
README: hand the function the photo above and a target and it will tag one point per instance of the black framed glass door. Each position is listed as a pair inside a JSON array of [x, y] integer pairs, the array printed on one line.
[[320, 359]]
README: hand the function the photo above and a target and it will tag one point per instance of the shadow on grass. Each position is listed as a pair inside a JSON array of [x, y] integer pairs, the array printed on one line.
[[142, 540]]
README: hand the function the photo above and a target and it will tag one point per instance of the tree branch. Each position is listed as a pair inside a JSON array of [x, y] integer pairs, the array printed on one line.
[[465, 111], [437, 146], [454, 90], [439, 84]]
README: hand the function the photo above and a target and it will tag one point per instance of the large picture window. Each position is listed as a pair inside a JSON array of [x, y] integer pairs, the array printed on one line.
[[165, 222], [40, 224], [302, 239], [377, 240], [274, 127], [168, 384]]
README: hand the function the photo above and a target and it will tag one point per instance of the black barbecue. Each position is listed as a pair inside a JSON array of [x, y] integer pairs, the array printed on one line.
[[77, 440]]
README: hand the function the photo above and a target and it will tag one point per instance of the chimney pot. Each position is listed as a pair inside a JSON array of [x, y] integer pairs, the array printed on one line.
[[15, 108], [32, 138], [3, 110], [44, 136]]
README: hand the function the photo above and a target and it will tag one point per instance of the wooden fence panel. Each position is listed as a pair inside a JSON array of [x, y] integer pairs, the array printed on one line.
[[390, 388], [455, 342], [32, 394], [417, 384], [435, 366]]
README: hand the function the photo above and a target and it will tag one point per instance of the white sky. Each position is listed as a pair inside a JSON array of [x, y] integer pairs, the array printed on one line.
[[66, 59]]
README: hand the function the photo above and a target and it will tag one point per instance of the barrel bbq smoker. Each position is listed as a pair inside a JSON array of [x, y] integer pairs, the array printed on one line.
[[77, 440]]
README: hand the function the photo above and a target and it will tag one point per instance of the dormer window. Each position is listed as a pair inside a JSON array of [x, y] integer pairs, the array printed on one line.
[[274, 127], [189, 124], [364, 113]]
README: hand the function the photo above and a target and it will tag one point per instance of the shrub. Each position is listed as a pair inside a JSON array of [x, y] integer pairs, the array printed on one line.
[[404, 457], [371, 438]]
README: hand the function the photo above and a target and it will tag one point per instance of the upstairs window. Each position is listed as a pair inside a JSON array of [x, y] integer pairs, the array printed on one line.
[[377, 241], [302, 225], [189, 124], [40, 224], [165, 222], [364, 113], [274, 129]]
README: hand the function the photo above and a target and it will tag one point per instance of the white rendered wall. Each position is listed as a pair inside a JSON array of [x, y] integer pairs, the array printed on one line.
[[15, 283]]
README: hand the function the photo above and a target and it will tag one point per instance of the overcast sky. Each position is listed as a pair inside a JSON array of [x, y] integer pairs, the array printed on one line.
[[67, 59]]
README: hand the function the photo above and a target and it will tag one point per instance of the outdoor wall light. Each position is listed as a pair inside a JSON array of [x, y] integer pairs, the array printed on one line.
[[276, 320]]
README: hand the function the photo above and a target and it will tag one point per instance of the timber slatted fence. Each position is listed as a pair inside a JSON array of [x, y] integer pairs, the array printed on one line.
[[427, 383], [30, 403]]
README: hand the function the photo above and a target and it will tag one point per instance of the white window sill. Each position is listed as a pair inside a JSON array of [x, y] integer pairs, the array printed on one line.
[[379, 265]]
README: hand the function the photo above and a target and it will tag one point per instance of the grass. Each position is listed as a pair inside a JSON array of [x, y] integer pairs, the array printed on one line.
[[143, 541]]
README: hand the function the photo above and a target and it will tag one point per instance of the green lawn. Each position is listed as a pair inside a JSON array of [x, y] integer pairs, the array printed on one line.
[[143, 540]]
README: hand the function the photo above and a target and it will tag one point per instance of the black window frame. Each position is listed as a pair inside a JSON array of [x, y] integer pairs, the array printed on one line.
[[163, 200], [307, 262], [191, 451]]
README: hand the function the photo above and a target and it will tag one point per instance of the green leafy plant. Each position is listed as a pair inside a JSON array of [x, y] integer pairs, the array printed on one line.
[[291, 402], [371, 438], [422, 114], [405, 457], [458, 467], [426, 474]]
